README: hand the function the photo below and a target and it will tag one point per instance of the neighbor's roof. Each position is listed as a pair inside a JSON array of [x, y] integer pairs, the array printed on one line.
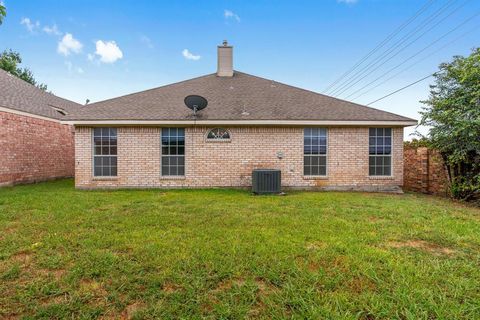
[[22, 96], [241, 97]]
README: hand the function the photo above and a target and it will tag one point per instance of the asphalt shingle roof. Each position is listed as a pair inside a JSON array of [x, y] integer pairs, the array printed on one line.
[[22, 96], [241, 97]]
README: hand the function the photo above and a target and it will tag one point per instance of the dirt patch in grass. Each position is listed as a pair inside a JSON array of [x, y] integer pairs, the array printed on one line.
[[257, 309], [170, 287], [228, 284], [317, 245], [375, 219], [265, 288], [131, 309], [330, 265], [422, 245], [8, 230], [56, 273], [54, 300], [11, 316], [22, 257], [95, 288], [313, 266], [361, 284]]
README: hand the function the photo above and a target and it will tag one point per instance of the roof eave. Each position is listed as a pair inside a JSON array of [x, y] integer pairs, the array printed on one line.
[[27, 114], [350, 123]]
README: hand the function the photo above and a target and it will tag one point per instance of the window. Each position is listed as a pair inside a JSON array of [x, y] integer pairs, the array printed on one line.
[[380, 151], [218, 134], [173, 151], [315, 152], [104, 152]]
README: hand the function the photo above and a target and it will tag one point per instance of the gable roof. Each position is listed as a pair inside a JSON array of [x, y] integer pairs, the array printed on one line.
[[20, 95], [242, 97]]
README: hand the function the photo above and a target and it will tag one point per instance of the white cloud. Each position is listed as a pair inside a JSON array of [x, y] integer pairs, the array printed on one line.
[[80, 70], [90, 57], [228, 14], [190, 56], [347, 1], [53, 30], [146, 41], [68, 45], [108, 51], [29, 24]]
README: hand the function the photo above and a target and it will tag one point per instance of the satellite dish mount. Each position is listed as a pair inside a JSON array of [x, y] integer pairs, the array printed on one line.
[[195, 103]]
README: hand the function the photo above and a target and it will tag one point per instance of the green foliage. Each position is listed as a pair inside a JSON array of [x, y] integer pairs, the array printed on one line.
[[416, 143], [453, 113], [225, 254], [3, 12], [9, 61]]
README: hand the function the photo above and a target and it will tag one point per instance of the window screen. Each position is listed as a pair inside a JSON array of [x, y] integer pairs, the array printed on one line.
[[104, 152], [315, 152], [173, 151], [380, 151]]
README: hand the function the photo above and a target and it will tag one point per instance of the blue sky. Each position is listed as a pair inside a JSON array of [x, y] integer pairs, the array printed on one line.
[[102, 49]]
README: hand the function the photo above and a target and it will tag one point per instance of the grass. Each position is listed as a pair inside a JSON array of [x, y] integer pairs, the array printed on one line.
[[148, 254]]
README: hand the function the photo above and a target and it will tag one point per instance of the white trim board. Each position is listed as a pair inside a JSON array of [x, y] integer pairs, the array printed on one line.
[[404, 123]]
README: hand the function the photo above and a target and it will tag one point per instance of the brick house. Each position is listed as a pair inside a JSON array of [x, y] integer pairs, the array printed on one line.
[[34, 144], [151, 139]]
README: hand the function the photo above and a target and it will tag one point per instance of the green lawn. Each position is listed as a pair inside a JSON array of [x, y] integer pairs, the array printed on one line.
[[228, 254]]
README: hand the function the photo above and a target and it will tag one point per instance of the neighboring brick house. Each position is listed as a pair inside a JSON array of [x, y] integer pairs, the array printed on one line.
[[150, 138], [34, 145]]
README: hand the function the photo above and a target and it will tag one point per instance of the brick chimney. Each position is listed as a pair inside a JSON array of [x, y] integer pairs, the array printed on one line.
[[225, 60]]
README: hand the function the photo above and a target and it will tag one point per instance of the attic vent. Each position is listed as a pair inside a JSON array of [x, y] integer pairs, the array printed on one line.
[[59, 110]]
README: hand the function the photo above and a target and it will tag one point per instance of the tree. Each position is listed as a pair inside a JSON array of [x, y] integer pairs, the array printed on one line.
[[9, 61], [453, 113], [3, 12]]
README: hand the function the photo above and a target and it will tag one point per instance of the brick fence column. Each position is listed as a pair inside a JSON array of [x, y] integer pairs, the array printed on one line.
[[424, 165]]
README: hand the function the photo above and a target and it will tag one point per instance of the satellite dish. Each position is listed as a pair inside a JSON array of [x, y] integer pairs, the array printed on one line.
[[196, 103]]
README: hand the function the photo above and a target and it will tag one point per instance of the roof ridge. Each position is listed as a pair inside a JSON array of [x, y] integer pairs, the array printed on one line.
[[324, 95], [163, 102]]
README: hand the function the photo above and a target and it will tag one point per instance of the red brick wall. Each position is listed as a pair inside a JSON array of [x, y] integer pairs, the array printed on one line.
[[424, 171], [230, 164], [33, 149]]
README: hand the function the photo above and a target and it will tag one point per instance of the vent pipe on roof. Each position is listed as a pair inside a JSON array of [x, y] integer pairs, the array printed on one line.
[[225, 60]]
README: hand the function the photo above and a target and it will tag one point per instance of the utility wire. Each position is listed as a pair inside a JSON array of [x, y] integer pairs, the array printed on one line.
[[403, 88], [418, 61], [395, 45], [416, 54], [382, 43], [402, 49], [387, 55]]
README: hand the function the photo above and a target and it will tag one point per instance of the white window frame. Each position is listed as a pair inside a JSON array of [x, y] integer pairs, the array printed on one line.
[[170, 155], [326, 154], [390, 155], [101, 155]]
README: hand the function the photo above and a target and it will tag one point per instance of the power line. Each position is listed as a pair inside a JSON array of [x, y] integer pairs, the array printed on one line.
[[394, 46], [382, 43], [413, 64], [417, 53], [406, 46], [403, 88], [419, 27]]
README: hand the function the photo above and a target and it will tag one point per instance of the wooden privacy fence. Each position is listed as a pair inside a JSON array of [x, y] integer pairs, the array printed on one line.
[[424, 171]]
